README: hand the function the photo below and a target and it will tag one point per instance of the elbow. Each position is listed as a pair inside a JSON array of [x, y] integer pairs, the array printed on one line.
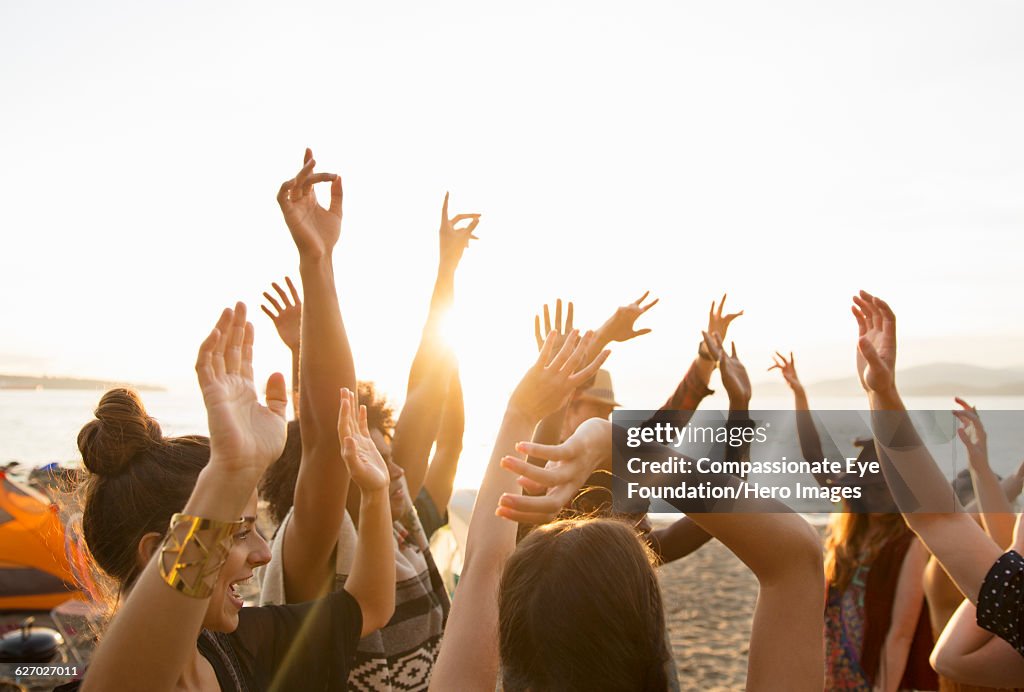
[[804, 563], [942, 661], [377, 612]]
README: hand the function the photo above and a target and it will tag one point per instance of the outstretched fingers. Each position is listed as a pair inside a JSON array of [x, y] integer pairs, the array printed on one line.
[[541, 451], [248, 337], [571, 341], [233, 352], [295, 294], [272, 301], [223, 331], [280, 292], [531, 510], [650, 305], [586, 373], [204, 361]]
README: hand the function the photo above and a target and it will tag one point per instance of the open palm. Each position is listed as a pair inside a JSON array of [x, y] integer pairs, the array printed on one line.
[[365, 464], [244, 435], [876, 348]]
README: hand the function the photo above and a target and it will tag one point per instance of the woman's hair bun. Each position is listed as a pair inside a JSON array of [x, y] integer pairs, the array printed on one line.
[[121, 430]]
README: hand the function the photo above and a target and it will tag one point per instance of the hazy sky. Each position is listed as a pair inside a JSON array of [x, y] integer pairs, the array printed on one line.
[[789, 154]]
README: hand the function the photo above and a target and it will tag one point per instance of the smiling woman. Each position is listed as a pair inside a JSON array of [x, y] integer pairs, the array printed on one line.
[[171, 521]]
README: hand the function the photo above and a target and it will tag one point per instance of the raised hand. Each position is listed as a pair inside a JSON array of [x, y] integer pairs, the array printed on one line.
[[734, 374], [972, 433], [788, 370], [454, 241], [876, 345], [719, 322], [245, 437], [560, 333], [619, 326], [314, 229], [547, 385], [569, 466], [363, 460], [287, 319]]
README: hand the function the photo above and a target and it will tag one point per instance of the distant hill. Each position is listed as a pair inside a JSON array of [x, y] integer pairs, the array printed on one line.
[[26, 382], [935, 379]]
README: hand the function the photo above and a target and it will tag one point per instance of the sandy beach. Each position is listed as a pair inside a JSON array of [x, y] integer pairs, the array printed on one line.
[[709, 600]]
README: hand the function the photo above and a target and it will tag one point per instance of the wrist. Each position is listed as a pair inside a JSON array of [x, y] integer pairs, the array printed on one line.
[[979, 462], [446, 267], [221, 494], [375, 496], [739, 403], [316, 262], [887, 399], [517, 414]]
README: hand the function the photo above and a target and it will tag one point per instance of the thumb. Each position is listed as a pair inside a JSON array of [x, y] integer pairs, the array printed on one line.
[[277, 394], [867, 349]]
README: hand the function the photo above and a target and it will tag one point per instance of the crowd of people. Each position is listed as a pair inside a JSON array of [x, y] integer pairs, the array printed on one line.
[[558, 588]]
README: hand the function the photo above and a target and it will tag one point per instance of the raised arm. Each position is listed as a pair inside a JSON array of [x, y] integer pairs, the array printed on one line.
[[997, 515], [325, 366], [434, 361], [287, 319], [549, 430], [619, 327], [693, 388], [152, 638], [468, 659], [372, 581], [964, 549], [441, 473], [783, 551], [810, 441]]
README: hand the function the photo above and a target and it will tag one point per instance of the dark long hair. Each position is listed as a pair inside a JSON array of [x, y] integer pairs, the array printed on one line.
[[580, 609]]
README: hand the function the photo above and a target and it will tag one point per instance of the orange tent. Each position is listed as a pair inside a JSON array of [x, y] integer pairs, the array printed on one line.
[[35, 572]]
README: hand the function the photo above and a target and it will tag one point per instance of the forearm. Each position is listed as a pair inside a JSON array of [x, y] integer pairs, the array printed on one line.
[[469, 654], [548, 432], [784, 552], [688, 395], [432, 343], [906, 612], [440, 476], [680, 539], [894, 662], [295, 381], [963, 548], [429, 378], [997, 515], [372, 580], [325, 366]]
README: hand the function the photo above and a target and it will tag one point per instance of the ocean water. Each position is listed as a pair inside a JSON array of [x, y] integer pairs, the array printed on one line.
[[41, 426]]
